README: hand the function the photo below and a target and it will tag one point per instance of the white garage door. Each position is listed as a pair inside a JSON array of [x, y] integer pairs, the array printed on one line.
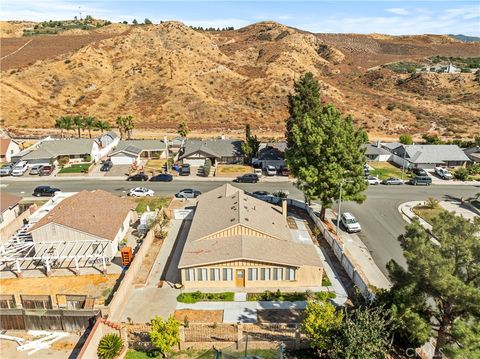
[[122, 160], [194, 161]]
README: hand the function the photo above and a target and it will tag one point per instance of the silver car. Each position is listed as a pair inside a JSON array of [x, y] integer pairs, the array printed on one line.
[[6, 170], [36, 169]]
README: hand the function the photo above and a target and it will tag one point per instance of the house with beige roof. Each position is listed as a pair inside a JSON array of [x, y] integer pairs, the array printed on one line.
[[236, 240], [93, 216]]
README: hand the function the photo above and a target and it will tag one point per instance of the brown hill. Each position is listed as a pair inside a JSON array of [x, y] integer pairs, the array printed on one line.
[[166, 73]]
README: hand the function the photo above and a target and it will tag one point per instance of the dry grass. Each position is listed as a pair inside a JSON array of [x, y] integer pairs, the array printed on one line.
[[427, 213], [199, 316], [232, 170], [155, 165], [148, 262]]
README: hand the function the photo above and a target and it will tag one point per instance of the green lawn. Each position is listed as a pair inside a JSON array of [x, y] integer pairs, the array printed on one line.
[[76, 168], [385, 170], [151, 202], [427, 213], [195, 297], [286, 297]]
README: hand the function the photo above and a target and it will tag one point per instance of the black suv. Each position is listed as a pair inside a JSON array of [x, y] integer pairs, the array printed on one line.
[[106, 166], [138, 177], [419, 172], [45, 191], [185, 170], [247, 178]]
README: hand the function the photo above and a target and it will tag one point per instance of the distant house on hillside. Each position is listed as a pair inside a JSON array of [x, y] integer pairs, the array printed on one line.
[[450, 69], [195, 152]]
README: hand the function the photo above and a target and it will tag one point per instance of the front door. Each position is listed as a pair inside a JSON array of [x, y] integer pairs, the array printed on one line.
[[240, 278]]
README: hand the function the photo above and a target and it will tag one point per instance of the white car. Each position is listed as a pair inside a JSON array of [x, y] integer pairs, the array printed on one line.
[[271, 170], [443, 173], [20, 168], [350, 223], [258, 172], [372, 180], [141, 192]]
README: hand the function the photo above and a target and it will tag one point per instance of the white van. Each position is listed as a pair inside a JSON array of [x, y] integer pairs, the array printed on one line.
[[20, 168]]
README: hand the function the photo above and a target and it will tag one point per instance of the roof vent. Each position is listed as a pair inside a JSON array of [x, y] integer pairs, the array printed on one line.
[[219, 196], [232, 220]]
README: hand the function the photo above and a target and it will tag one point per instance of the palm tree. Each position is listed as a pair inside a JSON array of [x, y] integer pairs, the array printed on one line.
[[89, 123], [121, 125], [79, 123], [64, 123], [129, 125], [102, 126]]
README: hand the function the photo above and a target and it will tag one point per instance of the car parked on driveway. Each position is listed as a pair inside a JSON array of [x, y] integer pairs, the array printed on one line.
[[392, 181], [45, 191], [443, 173], [350, 223], [106, 166], [138, 177], [426, 180], [271, 170], [419, 172], [258, 172], [188, 193], [284, 171], [140, 192], [163, 177], [6, 170], [247, 178], [185, 170], [46, 170], [372, 180], [20, 168], [35, 170]]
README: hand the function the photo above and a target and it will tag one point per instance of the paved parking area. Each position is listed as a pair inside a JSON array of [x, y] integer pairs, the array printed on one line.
[[118, 170]]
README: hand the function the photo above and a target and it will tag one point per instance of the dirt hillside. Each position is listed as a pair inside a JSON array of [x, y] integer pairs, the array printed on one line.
[[163, 74]]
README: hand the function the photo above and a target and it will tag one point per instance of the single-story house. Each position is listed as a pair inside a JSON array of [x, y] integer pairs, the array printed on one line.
[[236, 240], [86, 216], [271, 154], [128, 152], [50, 151], [429, 156], [375, 152], [473, 153], [8, 148], [9, 209], [176, 144], [195, 152], [107, 142]]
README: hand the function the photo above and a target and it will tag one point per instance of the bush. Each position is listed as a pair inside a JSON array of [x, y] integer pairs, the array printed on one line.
[[110, 346], [87, 158], [198, 296], [165, 334], [207, 167], [63, 161], [462, 174], [432, 203]]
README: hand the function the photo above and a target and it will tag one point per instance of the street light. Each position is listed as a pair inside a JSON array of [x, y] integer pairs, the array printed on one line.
[[339, 206]]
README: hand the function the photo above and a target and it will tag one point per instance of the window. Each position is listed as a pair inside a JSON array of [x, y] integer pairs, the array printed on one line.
[[190, 275], [227, 274], [202, 274], [215, 274], [291, 274], [265, 274], [252, 274], [277, 273]]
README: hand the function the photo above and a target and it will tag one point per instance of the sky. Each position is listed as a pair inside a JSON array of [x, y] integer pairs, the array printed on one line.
[[386, 17]]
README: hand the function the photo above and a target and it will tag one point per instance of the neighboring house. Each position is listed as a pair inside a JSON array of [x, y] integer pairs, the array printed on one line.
[[236, 240], [128, 152], [8, 149], [428, 156], [107, 142], [271, 154], [86, 216], [50, 151], [473, 153], [375, 152], [450, 69], [176, 144], [9, 208], [195, 152]]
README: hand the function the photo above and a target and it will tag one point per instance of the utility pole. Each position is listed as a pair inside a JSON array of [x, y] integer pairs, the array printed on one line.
[[80, 12], [166, 145], [403, 162], [339, 207]]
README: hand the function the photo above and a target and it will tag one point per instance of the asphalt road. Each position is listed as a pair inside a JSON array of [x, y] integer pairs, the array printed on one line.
[[379, 216]]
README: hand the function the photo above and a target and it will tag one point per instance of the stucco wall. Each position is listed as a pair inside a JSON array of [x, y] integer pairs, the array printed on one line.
[[8, 216]]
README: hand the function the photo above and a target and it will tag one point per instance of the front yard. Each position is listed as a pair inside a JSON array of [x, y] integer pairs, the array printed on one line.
[[288, 296], [152, 202], [76, 168], [195, 297], [232, 170], [385, 170]]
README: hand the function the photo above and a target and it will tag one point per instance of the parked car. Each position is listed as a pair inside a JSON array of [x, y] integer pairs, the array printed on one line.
[[46, 170], [106, 166], [20, 168], [140, 192], [6, 170], [366, 170], [188, 193], [350, 223], [163, 177], [247, 178], [138, 177], [35, 170], [372, 180], [185, 170], [392, 181], [284, 171], [426, 180], [263, 195], [443, 173], [271, 170], [258, 172], [419, 172], [45, 191]]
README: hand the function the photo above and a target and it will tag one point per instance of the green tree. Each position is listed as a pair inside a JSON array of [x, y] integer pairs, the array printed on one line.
[[147, 22], [440, 291], [251, 145], [364, 333], [89, 124], [183, 129], [467, 334], [110, 346], [102, 126], [120, 122], [78, 124], [319, 323], [406, 139], [165, 334], [64, 123], [129, 125], [324, 151], [135, 22], [431, 139]]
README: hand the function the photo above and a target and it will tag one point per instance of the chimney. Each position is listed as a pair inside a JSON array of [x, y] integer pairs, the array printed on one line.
[[284, 207], [379, 143]]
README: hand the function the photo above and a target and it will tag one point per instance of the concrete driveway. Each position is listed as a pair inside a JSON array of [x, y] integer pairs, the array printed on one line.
[[118, 170]]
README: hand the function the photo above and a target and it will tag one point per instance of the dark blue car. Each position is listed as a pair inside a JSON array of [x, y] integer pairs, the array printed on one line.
[[164, 177]]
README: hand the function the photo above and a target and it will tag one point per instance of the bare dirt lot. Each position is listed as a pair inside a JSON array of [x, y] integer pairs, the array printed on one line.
[[199, 316]]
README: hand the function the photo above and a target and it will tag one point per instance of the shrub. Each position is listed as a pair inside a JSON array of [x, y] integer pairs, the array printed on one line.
[[87, 158], [462, 174], [432, 203], [207, 167], [63, 161], [165, 334], [110, 346]]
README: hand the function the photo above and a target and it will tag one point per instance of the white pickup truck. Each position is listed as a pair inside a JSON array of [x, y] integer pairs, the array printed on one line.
[[20, 168], [443, 173]]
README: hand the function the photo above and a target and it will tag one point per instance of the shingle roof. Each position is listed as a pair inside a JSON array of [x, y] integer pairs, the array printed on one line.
[[55, 148], [143, 145], [8, 200], [391, 145], [214, 148], [98, 213], [269, 239], [374, 150], [434, 153]]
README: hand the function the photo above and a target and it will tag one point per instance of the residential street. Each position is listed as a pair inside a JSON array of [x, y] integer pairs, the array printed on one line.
[[379, 216]]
